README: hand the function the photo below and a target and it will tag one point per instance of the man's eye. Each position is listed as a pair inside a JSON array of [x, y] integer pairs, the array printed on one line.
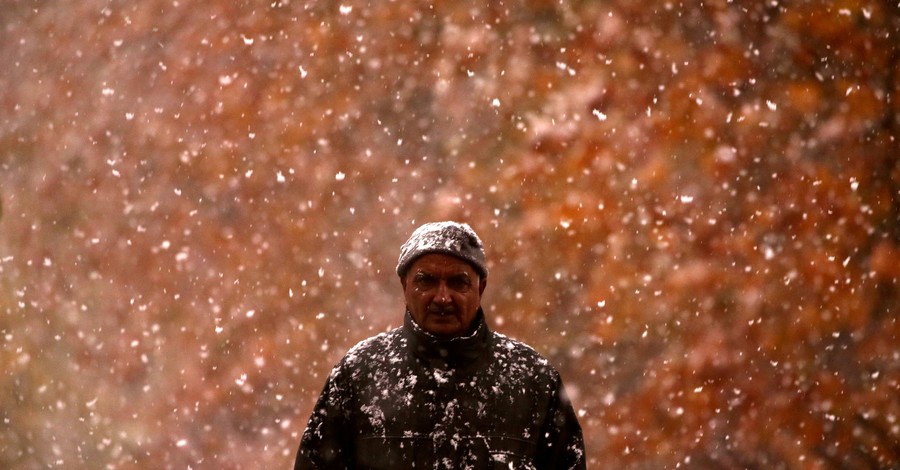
[[425, 280], [459, 283]]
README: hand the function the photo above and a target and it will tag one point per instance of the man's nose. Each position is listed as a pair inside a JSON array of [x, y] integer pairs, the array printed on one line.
[[442, 296]]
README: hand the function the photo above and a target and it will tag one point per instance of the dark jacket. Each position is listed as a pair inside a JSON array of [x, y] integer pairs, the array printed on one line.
[[407, 399]]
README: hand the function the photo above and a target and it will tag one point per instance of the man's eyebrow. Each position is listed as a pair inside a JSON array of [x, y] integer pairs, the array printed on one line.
[[428, 275]]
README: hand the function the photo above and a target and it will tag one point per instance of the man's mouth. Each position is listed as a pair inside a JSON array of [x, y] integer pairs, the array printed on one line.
[[442, 312]]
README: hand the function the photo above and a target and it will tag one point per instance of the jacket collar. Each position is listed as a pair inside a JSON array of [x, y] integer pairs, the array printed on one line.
[[447, 352]]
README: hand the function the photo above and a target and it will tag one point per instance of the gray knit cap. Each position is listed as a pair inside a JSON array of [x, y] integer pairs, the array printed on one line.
[[450, 238]]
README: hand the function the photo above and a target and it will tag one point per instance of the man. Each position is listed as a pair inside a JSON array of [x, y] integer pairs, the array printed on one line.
[[443, 390]]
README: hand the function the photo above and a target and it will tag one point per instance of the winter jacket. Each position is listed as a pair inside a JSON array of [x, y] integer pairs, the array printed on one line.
[[407, 399]]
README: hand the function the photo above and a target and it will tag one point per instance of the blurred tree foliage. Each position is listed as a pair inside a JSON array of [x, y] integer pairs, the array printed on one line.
[[692, 208]]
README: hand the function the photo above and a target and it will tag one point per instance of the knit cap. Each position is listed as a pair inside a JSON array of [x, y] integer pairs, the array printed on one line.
[[450, 238]]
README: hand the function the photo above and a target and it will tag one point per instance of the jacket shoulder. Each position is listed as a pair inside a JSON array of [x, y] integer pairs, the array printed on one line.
[[512, 347], [383, 347], [522, 358]]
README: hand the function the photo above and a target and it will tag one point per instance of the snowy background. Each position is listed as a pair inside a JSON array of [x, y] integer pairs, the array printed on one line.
[[692, 208]]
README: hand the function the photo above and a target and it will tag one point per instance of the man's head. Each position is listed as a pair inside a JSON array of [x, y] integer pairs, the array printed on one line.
[[443, 273]]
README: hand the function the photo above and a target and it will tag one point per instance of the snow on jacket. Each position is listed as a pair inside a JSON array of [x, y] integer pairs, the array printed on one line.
[[407, 399]]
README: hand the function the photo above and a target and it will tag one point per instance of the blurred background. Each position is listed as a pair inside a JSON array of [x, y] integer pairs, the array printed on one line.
[[692, 208]]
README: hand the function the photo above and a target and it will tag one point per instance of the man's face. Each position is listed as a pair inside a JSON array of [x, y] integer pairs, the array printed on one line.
[[443, 294]]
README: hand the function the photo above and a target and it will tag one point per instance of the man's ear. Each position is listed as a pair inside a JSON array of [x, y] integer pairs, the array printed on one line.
[[481, 285], [403, 282]]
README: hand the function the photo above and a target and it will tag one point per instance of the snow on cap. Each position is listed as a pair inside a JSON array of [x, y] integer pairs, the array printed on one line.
[[450, 238]]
